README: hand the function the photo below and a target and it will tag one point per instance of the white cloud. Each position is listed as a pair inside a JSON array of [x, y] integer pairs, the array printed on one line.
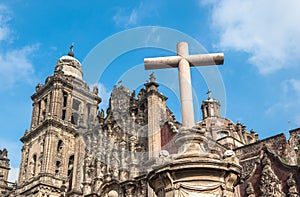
[[131, 17], [267, 30], [153, 37], [122, 18], [15, 64], [13, 175]]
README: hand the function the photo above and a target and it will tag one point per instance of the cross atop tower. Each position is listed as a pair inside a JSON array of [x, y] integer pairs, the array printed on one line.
[[183, 61], [208, 94]]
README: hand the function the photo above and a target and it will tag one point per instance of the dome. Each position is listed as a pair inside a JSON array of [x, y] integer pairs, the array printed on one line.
[[70, 66]]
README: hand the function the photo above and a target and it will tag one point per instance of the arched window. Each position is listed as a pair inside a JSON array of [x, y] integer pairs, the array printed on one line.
[[34, 158], [88, 111], [70, 171], [65, 99], [74, 118], [57, 164], [39, 111], [70, 165], [76, 105], [59, 146], [45, 108], [64, 111]]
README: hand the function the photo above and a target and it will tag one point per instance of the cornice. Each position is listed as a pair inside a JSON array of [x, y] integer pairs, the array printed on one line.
[[50, 121], [67, 82]]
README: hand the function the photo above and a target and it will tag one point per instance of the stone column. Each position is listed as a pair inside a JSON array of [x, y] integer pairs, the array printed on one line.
[[49, 150], [108, 146], [124, 167], [41, 111], [23, 166], [77, 176], [69, 107], [133, 168], [48, 106], [156, 108], [57, 100], [100, 175]]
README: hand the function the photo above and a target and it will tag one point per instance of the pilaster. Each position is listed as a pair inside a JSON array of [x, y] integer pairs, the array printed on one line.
[[35, 114], [156, 115]]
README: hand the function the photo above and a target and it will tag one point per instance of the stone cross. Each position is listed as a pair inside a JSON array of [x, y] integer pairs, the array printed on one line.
[[183, 61], [208, 94]]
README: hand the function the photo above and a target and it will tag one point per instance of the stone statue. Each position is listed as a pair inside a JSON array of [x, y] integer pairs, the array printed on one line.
[[250, 190], [133, 94], [4, 153], [101, 114], [95, 90]]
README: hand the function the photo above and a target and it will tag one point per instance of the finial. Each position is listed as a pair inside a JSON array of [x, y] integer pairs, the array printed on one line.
[[152, 77], [208, 94], [120, 83], [71, 53]]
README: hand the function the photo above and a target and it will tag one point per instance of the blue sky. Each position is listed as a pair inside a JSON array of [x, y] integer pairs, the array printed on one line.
[[260, 40]]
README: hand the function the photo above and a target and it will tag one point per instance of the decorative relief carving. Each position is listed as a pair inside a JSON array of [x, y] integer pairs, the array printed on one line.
[[208, 190], [292, 186], [248, 167], [270, 185]]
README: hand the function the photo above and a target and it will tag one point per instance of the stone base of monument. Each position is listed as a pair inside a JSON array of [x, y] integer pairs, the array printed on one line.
[[194, 171]]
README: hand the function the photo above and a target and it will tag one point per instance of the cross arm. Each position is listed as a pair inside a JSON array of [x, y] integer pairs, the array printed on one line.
[[206, 59], [194, 60], [161, 62]]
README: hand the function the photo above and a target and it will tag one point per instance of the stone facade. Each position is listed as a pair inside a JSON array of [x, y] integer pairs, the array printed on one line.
[[136, 148], [5, 186]]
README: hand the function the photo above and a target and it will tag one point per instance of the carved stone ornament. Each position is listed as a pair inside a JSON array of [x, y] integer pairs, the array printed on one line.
[[249, 167], [292, 186], [270, 185]]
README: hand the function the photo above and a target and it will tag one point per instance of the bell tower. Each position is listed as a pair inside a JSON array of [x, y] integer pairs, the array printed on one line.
[[210, 107], [53, 152]]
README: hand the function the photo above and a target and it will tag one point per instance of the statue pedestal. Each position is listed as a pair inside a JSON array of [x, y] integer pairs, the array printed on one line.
[[194, 171]]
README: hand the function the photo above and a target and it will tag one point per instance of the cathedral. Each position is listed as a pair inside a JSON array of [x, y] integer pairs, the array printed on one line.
[[137, 148]]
